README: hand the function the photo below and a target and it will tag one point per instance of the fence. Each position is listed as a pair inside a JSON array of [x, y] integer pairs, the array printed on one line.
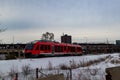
[[40, 73], [69, 74], [37, 74]]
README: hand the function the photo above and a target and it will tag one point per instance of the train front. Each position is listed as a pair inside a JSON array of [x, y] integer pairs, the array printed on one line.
[[28, 51]]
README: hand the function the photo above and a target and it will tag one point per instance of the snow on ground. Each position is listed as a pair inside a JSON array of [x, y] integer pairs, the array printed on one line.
[[89, 72], [7, 65]]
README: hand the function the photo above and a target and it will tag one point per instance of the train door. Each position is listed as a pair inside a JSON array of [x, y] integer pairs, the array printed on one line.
[[37, 49], [53, 49]]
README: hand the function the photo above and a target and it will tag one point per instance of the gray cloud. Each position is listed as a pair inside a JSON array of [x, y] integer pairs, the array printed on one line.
[[72, 16]]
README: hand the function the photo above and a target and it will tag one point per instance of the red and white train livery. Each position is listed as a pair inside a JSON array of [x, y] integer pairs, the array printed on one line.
[[49, 48]]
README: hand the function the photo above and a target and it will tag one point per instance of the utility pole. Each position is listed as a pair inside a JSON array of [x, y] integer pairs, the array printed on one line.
[[107, 45], [13, 39]]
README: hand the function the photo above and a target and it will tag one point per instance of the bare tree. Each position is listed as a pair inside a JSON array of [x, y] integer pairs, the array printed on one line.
[[48, 36]]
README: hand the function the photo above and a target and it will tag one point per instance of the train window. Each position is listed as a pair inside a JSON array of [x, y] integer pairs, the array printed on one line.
[[61, 49], [73, 49], [37, 48], [78, 49], [64, 47], [48, 47], [42, 47], [68, 48], [57, 49], [45, 47], [29, 46]]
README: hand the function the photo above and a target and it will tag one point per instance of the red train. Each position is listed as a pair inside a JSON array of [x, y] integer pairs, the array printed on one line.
[[49, 48]]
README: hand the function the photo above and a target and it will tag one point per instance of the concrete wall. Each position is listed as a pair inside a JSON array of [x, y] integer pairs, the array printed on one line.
[[53, 77]]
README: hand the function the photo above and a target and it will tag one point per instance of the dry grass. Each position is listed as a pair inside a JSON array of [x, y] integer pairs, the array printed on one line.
[[83, 63], [50, 66], [1, 75], [26, 69], [13, 71], [112, 60], [72, 65], [63, 66], [115, 61]]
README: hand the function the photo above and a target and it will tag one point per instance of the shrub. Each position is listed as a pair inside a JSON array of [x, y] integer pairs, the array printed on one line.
[[26, 69], [63, 66]]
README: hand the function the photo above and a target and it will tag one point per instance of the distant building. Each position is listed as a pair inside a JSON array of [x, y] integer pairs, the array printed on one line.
[[118, 42], [66, 39]]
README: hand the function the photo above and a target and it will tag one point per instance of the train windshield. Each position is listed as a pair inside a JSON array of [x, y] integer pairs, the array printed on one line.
[[29, 46]]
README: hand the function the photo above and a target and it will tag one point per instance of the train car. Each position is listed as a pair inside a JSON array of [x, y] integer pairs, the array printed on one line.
[[49, 48]]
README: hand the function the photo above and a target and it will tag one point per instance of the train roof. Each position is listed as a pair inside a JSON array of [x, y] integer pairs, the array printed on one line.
[[43, 41], [33, 42]]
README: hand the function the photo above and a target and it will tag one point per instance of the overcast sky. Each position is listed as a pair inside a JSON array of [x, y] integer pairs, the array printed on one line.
[[84, 20]]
